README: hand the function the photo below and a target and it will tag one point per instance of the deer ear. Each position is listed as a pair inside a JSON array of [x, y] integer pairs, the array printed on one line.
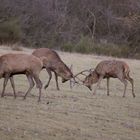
[[91, 70]]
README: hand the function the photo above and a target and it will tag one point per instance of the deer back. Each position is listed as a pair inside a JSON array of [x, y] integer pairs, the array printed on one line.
[[20, 62], [53, 62]]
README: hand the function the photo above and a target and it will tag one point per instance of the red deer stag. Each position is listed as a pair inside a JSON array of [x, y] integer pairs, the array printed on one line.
[[13, 64], [53, 63], [107, 69]]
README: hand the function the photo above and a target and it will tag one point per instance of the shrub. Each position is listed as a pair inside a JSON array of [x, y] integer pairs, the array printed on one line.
[[87, 45], [16, 47], [69, 47], [10, 31], [112, 50], [83, 46]]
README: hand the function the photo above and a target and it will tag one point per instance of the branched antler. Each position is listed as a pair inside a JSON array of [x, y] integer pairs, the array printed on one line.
[[82, 72], [76, 77]]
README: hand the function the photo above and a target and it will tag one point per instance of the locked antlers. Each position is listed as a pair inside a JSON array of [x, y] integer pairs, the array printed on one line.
[[77, 80]]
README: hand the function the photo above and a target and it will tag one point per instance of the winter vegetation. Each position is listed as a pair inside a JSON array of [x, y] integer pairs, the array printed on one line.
[[108, 27]]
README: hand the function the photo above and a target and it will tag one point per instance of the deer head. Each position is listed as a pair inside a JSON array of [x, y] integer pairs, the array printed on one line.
[[92, 78], [63, 71], [84, 73]]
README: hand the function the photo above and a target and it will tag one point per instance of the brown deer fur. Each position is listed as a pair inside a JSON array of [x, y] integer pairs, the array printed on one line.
[[53, 63], [13, 64], [108, 69]]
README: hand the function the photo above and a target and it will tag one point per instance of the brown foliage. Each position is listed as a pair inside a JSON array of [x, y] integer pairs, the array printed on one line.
[[54, 23]]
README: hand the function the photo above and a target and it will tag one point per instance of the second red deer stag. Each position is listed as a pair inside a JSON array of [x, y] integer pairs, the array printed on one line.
[[107, 69], [53, 63]]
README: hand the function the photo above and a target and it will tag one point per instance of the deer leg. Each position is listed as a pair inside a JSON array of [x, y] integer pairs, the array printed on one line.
[[4, 84], [125, 84], [56, 79], [31, 82], [132, 83], [38, 85], [107, 86], [13, 85], [71, 84], [50, 77], [98, 84]]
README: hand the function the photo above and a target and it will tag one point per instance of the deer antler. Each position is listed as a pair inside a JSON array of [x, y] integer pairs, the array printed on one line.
[[82, 73]]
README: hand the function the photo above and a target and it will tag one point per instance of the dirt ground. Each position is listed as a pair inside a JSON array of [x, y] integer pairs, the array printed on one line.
[[71, 114]]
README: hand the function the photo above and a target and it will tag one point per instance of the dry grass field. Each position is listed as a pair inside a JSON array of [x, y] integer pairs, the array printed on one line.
[[71, 114]]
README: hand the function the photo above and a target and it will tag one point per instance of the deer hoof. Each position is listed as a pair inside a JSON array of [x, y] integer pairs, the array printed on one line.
[[2, 95], [45, 87], [134, 96]]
